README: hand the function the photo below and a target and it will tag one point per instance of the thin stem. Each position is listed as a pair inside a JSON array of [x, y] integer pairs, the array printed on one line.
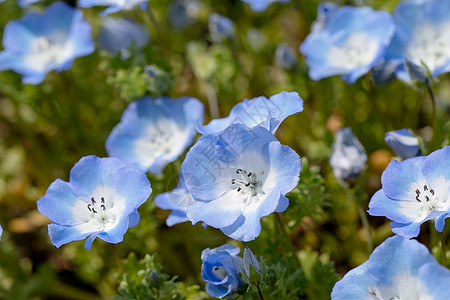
[[212, 100], [362, 216], [434, 117], [444, 251], [150, 18], [286, 235], [119, 263], [259, 292]]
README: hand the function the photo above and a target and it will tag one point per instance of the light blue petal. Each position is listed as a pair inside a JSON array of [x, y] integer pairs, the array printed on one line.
[[18, 34], [91, 172], [133, 185], [404, 144], [355, 284], [115, 234], [57, 20], [80, 36], [440, 222], [60, 234], [283, 203], [91, 3], [217, 291], [285, 164], [398, 177], [134, 219], [435, 280], [408, 230], [89, 241], [381, 205], [58, 202], [436, 166], [176, 217]]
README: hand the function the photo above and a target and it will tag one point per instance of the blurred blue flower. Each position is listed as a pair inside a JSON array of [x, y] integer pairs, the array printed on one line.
[[25, 3], [221, 28], [100, 200], [155, 132], [177, 200], [39, 43], [1, 231], [348, 157], [403, 142], [285, 57], [114, 5], [397, 269], [220, 268], [268, 113], [352, 40], [118, 34], [238, 176], [250, 259], [260, 5], [414, 191], [182, 13], [422, 36]]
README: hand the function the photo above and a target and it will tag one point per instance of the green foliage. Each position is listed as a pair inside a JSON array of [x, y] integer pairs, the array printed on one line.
[[143, 279]]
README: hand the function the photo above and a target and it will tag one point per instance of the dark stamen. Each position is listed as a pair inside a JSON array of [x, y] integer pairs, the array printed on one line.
[[103, 200], [425, 188], [428, 199], [89, 207], [94, 211], [102, 206], [238, 171], [249, 174], [417, 191], [417, 198], [247, 184], [93, 201], [432, 192], [239, 189], [233, 181]]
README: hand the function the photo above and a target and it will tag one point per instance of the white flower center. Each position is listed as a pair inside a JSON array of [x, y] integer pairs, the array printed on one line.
[[101, 217], [356, 51], [405, 287], [430, 45], [247, 183], [219, 272], [45, 52]]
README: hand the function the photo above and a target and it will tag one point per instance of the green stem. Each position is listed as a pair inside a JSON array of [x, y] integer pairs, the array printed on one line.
[[286, 235], [444, 251], [213, 104], [119, 263]]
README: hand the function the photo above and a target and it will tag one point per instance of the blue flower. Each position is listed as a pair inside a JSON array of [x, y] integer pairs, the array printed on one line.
[[348, 157], [39, 43], [261, 111], [352, 40], [397, 269], [414, 191], [154, 132], [403, 142], [221, 28], [422, 36], [1, 231], [285, 57], [25, 3], [114, 5], [100, 200], [118, 34], [220, 267], [324, 11], [260, 5], [177, 200], [238, 176], [182, 13]]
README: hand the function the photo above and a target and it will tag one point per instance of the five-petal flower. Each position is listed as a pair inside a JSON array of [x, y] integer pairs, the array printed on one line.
[[154, 132], [414, 191], [39, 43], [100, 200], [236, 177]]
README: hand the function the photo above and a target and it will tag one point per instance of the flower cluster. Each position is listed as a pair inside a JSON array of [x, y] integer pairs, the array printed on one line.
[[350, 41]]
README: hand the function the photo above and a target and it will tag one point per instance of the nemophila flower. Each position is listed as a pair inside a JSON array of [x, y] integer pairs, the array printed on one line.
[[177, 200], [182, 13], [268, 113], [352, 40], [285, 57], [40, 43], [403, 142], [100, 200], [414, 191], [260, 5], [155, 132], [422, 36], [238, 176], [118, 34], [113, 5], [397, 269], [348, 157], [221, 28], [220, 268]]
